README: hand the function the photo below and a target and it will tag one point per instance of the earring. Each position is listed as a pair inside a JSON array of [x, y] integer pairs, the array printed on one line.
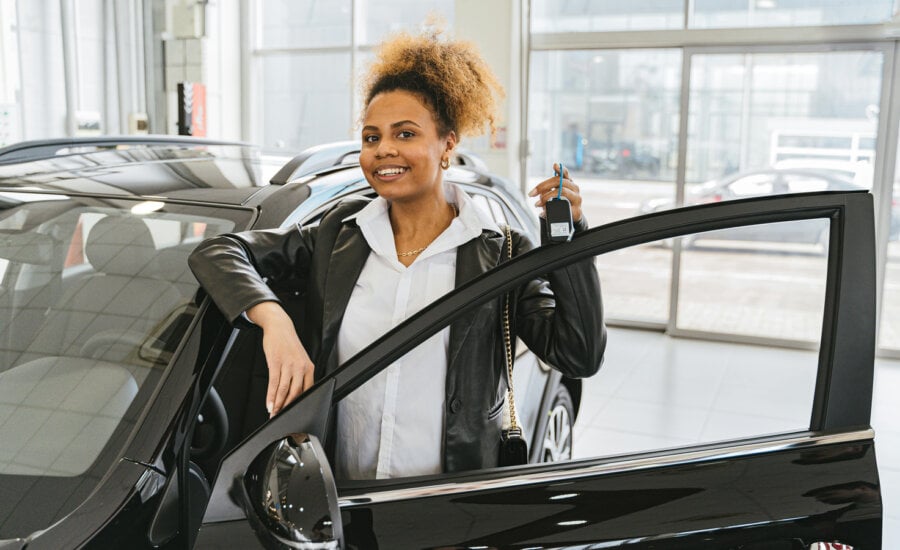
[[445, 163]]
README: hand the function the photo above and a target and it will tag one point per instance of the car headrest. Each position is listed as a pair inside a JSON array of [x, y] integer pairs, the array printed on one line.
[[120, 245]]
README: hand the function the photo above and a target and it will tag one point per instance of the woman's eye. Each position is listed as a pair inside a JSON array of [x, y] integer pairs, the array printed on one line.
[[370, 139], [406, 134]]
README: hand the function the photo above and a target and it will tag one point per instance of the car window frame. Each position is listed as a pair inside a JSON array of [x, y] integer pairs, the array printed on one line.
[[842, 401]]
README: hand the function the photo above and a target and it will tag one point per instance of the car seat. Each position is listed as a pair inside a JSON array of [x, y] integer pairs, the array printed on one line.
[[110, 313]]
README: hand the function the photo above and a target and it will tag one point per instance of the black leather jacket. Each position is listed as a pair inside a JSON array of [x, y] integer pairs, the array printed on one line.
[[559, 318]]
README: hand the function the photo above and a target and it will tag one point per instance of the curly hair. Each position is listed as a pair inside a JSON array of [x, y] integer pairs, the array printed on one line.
[[450, 77]]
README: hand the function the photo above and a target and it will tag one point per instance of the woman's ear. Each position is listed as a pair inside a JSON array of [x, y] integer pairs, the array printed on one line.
[[451, 141]]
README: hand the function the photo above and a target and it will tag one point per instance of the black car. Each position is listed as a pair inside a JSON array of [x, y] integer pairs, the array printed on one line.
[[109, 269], [131, 412]]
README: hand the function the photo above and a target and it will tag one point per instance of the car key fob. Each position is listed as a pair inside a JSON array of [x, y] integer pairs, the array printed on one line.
[[559, 215]]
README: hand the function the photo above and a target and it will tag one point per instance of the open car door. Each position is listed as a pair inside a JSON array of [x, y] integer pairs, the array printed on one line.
[[804, 482]]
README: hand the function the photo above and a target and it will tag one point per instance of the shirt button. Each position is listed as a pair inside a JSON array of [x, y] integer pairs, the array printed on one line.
[[455, 405]]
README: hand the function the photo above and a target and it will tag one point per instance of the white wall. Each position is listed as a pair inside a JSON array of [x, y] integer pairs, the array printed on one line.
[[495, 27]]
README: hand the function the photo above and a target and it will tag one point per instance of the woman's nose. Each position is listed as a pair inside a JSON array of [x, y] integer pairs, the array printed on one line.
[[385, 149]]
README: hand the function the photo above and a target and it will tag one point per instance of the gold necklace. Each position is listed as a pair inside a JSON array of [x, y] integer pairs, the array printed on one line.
[[412, 252], [420, 250]]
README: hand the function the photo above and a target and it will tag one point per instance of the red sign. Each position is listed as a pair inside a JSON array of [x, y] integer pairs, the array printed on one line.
[[192, 109]]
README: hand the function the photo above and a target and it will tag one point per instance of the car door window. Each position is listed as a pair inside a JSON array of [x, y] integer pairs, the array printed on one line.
[[644, 397]]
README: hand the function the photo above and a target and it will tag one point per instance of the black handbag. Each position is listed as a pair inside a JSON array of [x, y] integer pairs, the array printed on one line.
[[513, 447]]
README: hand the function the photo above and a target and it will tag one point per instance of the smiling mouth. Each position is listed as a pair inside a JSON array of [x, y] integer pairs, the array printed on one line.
[[390, 171]]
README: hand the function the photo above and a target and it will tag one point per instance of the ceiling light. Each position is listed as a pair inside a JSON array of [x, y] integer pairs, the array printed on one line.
[[147, 207]]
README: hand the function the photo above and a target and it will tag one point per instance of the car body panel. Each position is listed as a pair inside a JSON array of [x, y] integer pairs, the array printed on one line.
[[733, 500]]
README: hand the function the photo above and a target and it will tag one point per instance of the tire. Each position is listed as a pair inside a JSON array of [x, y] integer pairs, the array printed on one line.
[[556, 441]]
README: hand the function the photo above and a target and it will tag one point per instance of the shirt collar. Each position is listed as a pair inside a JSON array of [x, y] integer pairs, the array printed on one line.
[[472, 220]]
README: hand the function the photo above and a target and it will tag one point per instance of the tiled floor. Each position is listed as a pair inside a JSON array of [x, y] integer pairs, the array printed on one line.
[[655, 391]]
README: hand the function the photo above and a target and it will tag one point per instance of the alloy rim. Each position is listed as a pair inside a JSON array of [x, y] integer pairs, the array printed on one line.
[[558, 436]]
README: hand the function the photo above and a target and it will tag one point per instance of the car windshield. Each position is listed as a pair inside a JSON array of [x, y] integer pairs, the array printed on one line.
[[95, 297]]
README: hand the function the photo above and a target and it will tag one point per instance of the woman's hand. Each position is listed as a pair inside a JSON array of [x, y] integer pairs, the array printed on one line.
[[548, 189], [290, 368]]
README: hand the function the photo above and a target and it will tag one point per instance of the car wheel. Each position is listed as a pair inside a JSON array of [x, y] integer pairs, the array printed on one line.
[[556, 443]]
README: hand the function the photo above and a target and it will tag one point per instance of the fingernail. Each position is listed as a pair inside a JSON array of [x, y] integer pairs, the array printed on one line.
[[533, 192], [270, 406]]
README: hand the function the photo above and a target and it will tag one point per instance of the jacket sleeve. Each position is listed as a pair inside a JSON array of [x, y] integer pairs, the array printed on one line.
[[238, 270], [560, 316]]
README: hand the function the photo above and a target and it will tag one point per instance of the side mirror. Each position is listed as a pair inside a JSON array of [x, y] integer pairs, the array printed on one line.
[[290, 497]]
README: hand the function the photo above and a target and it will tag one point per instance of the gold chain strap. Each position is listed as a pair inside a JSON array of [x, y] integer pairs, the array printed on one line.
[[510, 395]]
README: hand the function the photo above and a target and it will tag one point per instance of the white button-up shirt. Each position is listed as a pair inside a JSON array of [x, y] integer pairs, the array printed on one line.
[[393, 424]]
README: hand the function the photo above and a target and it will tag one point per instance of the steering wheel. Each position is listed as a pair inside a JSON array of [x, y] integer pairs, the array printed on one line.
[[211, 430]]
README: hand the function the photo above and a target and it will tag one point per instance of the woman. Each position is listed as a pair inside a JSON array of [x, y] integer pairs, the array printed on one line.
[[369, 265]]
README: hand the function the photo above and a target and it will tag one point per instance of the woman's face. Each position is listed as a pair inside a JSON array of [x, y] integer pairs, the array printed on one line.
[[401, 147]]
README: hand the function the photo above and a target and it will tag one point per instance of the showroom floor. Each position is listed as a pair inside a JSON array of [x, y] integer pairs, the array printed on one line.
[[655, 391]]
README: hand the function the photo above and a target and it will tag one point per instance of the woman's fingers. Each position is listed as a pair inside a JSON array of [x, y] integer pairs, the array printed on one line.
[[286, 382], [549, 189], [546, 192], [272, 389], [290, 369]]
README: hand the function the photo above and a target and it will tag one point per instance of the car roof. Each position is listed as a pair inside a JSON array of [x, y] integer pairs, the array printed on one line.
[[200, 171], [196, 170]]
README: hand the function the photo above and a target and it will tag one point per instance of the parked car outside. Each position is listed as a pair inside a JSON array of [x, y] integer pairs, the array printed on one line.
[[783, 179], [129, 406]]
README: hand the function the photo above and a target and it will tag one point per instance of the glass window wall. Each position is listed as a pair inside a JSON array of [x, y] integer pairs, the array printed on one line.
[[612, 118], [707, 14], [768, 124], [383, 17], [781, 116], [606, 15], [758, 124], [310, 55], [889, 338], [552, 16], [310, 24], [299, 111]]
